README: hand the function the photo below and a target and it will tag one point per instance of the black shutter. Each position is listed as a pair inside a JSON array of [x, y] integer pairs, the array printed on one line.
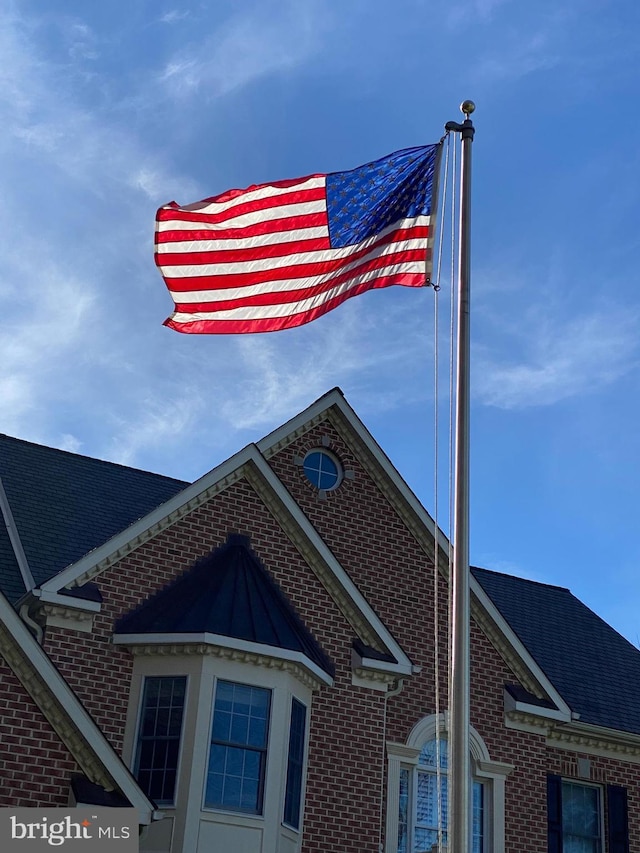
[[617, 817], [554, 814]]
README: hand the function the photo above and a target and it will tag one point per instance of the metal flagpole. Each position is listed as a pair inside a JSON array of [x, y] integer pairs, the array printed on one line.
[[459, 812]]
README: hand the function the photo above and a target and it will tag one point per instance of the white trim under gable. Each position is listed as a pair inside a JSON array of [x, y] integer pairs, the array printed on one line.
[[229, 471], [59, 690], [335, 398], [232, 469], [14, 538], [157, 518], [258, 649]]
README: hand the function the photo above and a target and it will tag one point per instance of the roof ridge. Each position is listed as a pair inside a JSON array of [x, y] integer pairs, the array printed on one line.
[[520, 578], [47, 447]]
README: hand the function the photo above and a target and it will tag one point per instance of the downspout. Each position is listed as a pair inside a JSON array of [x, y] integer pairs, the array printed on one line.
[[394, 691]]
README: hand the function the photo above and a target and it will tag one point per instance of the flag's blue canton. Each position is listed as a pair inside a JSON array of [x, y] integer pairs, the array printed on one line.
[[362, 202]]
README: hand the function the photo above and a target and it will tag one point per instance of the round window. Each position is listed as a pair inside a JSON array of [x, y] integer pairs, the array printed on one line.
[[322, 470]]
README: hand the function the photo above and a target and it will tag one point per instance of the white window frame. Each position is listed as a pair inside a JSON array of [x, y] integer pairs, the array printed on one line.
[[187, 816], [581, 783], [138, 726], [491, 773]]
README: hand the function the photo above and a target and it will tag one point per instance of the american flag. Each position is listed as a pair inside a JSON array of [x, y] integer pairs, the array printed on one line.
[[274, 256]]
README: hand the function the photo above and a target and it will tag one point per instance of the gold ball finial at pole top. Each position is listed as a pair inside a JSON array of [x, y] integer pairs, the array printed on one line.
[[467, 107]]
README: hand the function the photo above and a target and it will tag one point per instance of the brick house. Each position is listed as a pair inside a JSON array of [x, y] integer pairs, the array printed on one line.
[[252, 660]]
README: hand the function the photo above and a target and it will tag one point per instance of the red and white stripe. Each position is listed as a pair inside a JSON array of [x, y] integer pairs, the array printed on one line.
[[260, 260]]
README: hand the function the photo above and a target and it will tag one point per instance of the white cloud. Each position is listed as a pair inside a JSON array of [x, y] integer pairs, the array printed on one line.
[[44, 333], [518, 57], [82, 41], [157, 422], [172, 16], [563, 358], [358, 347], [70, 443], [268, 38]]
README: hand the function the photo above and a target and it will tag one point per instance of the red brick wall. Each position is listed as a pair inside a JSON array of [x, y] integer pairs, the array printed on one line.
[[35, 766]]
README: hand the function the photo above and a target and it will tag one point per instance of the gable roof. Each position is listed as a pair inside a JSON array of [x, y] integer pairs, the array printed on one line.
[[593, 667], [531, 656], [65, 505], [229, 593]]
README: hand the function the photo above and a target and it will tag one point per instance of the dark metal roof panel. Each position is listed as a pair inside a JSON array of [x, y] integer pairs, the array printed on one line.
[[230, 593]]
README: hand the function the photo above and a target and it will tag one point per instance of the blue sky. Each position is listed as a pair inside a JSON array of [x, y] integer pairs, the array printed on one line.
[[110, 110]]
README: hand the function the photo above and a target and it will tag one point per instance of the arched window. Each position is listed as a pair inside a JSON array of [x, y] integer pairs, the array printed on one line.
[[422, 801], [415, 800]]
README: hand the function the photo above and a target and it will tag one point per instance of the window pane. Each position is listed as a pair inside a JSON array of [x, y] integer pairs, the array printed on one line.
[[478, 817], [295, 764], [237, 757], [403, 812], [428, 754], [158, 744], [421, 814], [581, 830]]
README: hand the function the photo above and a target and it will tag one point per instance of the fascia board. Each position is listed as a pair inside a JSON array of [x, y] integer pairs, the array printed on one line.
[[77, 713], [14, 538], [386, 666], [337, 399], [313, 411], [69, 601], [156, 516], [512, 638], [604, 732], [340, 574], [227, 643]]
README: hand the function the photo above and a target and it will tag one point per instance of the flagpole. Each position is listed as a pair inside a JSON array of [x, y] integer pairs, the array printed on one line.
[[459, 822]]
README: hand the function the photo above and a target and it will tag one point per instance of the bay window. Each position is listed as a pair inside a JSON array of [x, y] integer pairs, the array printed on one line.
[[238, 752]]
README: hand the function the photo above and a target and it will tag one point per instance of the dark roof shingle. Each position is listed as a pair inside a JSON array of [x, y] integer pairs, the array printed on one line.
[[595, 670], [65, 505]]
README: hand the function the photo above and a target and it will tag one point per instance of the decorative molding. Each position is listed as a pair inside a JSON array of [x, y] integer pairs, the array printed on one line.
[[66, 617], [527, 722], [310, 555], [578, 737], [406, 754], [40, 692], [610, 744], [373, 679], [153, 530], [282, 441], [236, 655]]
